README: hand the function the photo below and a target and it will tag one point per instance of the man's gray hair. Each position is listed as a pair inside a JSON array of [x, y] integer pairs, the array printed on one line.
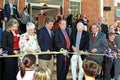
[[49, 19], [80, 24]]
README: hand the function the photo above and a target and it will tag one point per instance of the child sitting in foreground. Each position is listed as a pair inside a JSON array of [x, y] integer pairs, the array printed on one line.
[[26, 67], [91, 69]]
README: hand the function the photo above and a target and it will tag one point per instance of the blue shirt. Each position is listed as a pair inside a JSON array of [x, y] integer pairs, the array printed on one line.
[[78, 39], [11, 9]]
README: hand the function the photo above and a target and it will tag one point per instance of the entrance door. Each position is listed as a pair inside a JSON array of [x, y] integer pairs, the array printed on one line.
[[50, 6]]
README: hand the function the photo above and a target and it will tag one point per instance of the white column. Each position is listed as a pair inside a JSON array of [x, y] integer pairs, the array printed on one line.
[[63, 7], [18, 5], [101, 8], [3, 3], [80, 7]]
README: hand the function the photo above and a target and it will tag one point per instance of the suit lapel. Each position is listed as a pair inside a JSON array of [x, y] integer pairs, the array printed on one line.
[[82, 37], [97, 37], [9, 8], [47, 32], [75, 36], [62, 34]]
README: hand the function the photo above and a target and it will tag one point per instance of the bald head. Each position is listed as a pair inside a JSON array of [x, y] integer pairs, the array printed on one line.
[[100, 20]]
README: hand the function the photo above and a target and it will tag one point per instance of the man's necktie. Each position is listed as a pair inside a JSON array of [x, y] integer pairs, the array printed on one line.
[[93, 39], [67, 40]]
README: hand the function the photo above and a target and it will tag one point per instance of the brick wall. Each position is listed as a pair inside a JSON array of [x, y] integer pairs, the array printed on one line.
[[92, 11], [21, 5], [66, 7], [1, 3], [109, 16], [91, 8]]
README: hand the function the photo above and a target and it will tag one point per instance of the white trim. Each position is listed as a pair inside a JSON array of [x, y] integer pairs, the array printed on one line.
[[3, 3], [80, 8], [62, 6], [41, 4], [18, 5], [101, 8], [76, 0]]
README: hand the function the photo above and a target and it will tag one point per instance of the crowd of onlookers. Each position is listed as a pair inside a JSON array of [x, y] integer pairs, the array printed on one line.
[[53, 34]]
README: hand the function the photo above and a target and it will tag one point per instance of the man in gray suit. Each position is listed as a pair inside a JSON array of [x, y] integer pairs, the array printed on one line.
[[98, 42], [117, 61]]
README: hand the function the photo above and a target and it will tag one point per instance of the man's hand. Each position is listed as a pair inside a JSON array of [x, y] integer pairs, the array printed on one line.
[[5, 19], [74, 48], [15, 52], [94, 50], [118, 50]]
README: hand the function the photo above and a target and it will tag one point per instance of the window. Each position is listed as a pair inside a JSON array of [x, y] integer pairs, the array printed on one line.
[[118, 12], [75, 7]]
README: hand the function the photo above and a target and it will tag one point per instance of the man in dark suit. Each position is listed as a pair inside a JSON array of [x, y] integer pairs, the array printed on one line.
[[1, 18], [104, 27], [45, 41], [79, 42], [62, 41], [69, 19], [10, 11]]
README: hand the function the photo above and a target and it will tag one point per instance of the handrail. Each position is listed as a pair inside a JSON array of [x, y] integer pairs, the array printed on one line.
[[62, 51]]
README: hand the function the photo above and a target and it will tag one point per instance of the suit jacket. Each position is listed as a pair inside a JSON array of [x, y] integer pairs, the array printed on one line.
[[104, 28], [84, 43], [1, 15], [7, 11], [45, 42], [1, 18], [117, 40], [60, 41], [69, 20], [7, 41], [100, 42]]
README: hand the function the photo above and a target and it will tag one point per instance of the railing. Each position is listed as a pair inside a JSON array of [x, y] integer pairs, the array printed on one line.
[[64, 52]]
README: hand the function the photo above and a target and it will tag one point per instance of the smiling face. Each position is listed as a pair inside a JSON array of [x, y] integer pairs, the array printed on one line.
[[62, 24], [111, 37], [49, 25], [112, 28], [80, 28], [30, 31], [94, 29], [14, 27]]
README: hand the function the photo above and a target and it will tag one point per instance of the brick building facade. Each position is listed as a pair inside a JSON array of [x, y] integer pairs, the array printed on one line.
[[91, 8]]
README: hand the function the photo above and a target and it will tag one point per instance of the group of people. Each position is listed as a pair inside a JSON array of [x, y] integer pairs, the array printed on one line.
[[46, 40]]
